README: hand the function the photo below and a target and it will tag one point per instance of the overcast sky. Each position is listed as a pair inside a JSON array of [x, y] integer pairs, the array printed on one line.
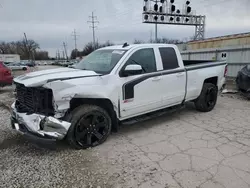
[[50, 22]]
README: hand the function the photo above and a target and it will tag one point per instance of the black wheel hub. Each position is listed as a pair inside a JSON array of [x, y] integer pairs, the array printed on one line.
[[211, 97], [91, 129]]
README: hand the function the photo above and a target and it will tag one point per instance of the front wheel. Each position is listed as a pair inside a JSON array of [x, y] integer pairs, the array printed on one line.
[[90, 126], [207, 99]]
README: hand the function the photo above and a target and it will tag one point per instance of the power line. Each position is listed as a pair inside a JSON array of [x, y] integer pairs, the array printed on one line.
[[93, 26], [65, 50], [75, 38], [58, 54], [63, 55]]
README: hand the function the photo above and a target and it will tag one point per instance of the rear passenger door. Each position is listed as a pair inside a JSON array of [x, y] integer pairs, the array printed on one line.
[[173, 80]]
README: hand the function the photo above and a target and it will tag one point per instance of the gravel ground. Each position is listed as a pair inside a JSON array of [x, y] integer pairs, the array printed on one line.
[[178, 150], [25, 165], [183, 149]]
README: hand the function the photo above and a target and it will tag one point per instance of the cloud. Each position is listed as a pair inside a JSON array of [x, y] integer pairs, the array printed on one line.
[[50, 22]]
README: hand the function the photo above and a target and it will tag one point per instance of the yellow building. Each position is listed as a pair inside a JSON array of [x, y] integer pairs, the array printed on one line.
[[220, 42]]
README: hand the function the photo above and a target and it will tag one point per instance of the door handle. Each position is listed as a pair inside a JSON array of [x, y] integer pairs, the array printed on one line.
[[156, 79], [180, 75]]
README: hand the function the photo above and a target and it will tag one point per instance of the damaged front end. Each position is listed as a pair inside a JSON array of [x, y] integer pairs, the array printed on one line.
[[34, 114], [42, 126]]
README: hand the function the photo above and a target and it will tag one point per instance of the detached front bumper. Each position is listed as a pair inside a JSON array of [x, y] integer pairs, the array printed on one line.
[[38, 127]]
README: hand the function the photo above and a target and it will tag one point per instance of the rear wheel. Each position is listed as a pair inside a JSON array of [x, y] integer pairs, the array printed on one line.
[[90, 126], [24, 68], [207, 99]]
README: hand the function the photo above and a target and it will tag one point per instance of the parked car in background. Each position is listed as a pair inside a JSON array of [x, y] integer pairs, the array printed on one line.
[[243, 81], [17, 66], [6, 77], [73, 64], [31, 64], [28, 63]]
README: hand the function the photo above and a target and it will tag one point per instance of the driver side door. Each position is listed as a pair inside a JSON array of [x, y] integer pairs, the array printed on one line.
[[141, 93]]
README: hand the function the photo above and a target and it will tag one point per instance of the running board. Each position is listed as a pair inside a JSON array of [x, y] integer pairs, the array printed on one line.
[[152, 115]]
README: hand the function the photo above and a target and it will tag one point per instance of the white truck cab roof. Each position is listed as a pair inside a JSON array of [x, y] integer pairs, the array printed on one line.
[[133, 46]]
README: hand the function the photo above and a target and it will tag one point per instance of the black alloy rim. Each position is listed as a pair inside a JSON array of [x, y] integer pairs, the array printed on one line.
[[91, 129], [211, 97]]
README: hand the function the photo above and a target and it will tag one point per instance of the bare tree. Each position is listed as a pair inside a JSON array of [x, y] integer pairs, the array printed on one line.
[[136, 41], [89, 48], [19, 47]]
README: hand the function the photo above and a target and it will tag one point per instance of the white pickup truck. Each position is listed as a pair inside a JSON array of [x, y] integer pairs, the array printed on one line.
[[109, 86]]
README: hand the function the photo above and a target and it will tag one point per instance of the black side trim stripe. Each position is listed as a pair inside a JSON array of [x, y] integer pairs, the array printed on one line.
[[128, 88], [189, 68]]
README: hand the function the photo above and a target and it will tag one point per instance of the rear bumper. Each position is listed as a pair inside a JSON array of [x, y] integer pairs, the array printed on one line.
[[39, 128], [6, 81]]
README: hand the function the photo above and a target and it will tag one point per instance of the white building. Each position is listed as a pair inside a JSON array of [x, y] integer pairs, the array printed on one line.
[[10, 58]]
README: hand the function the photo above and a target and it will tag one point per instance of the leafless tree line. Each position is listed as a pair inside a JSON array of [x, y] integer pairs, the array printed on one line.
[[26, 49], [90, 47], [160, 40]]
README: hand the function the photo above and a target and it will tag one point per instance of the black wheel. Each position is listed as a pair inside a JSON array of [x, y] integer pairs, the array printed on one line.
[[207, 99], [90, 126], [24, 68]]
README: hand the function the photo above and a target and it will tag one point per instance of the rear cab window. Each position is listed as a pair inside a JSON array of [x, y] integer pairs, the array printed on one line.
[[169, 58]]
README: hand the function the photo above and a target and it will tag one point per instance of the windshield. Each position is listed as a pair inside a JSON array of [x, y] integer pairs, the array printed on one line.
[[101, 61]]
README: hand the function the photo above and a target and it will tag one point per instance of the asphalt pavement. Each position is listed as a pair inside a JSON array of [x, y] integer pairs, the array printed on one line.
[[184, 149]]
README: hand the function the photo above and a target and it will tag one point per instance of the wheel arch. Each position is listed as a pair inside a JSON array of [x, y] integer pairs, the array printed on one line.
[[101, 102], [212, 80]]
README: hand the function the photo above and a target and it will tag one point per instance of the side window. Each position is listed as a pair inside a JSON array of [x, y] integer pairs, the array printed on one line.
[[169, 58], [145, 58]]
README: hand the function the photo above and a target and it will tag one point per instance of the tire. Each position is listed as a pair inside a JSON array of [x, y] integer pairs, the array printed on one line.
[[90, 126], [24, 68], [207, 99]]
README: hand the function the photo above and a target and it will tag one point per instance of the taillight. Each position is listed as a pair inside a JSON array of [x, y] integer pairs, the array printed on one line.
[[225, 72], [7, 73]]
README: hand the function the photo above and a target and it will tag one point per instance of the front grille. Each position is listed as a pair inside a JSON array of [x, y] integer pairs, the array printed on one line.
[[34, 100]]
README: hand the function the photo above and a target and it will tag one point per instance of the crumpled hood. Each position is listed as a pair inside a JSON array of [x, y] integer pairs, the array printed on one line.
[[40, 78]]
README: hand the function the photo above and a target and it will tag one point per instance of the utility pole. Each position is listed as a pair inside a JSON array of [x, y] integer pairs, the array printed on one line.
[[75, 38], [156, 27], [63, 55], [26, 45], [156, 30], [151, 34], [93, 23], [65, 50], [58, 54]]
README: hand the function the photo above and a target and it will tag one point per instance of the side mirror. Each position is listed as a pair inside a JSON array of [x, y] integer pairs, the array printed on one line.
[[132, 70]]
